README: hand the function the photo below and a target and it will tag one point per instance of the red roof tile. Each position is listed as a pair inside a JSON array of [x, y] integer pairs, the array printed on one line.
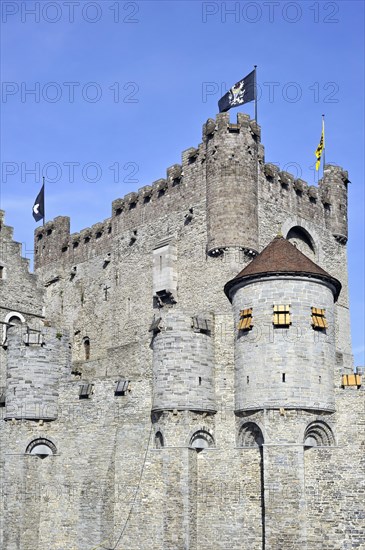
[[280, 256]]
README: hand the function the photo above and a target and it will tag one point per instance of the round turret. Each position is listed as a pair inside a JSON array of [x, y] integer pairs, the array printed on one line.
[[334, 194], [183, 364], [36, 362], [231, 172], [283, 306]]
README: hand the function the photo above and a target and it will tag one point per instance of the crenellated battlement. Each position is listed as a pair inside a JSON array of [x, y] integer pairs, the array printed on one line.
[[222, 125], [230, 155], [326, 203], [10, 247]]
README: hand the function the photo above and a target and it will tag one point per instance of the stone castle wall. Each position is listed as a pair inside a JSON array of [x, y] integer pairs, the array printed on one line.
[[128, 471]]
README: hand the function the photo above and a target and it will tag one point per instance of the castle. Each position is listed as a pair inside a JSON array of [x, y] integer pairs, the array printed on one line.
[[179, 376]]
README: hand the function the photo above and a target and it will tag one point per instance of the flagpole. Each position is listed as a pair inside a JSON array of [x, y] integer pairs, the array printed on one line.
[[255, 67], [44, 204], [324, 145]]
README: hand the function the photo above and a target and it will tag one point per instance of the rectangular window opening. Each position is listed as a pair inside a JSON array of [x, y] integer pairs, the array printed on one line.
[[248, 379], [121, 387], [319, 320], [85, 391], [245, 322], [283, 377], [281, 317], [200, 380]]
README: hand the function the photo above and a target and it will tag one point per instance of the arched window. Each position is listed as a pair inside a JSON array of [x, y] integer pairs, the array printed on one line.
[[201, 440], [41, 448], [250, 435], [86, 342], [159, 441], [300, 238], [318, 434], [12, 318]]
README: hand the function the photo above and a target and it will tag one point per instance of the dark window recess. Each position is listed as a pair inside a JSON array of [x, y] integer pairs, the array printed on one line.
[[133, 238], [155, 326], [98, 235], [283, 377], [87, 240], [248, 379], [87, 348], [132, 205], [147, 199], [121, 387], [64, 248], [2, 397], [1, 272], [320, 379], [200, 380], [200, 324], [40, 237], [159, 442], [49, 232], [85, 391]]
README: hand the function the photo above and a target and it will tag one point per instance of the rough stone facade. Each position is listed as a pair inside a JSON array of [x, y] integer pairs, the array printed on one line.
[[121, 356]]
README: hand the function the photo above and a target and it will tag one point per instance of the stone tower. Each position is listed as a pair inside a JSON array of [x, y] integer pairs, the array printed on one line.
[[283, 308], [273, 300], [37, 361], [142, 409], [232, 152]]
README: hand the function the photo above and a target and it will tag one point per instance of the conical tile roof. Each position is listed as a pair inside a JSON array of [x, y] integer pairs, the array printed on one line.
[[280, 256]]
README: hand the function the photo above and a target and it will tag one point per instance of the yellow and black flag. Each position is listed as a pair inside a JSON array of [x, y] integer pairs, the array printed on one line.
[[320, 147]]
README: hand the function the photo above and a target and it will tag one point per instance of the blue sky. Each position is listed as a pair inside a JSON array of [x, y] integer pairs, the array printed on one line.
[[121, 88]]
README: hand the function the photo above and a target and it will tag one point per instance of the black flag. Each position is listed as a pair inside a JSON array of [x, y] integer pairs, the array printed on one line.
[[38, 207], [242, 92]]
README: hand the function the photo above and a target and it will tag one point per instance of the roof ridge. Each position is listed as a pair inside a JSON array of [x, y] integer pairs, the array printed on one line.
[[281, 256]]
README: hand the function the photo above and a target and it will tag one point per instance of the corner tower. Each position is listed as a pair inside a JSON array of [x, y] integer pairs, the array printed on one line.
[[232, 153], [285, 353], [283, 305]]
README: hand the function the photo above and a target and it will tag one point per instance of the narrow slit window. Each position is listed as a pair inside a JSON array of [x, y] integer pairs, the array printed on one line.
[[87, 348], [281, 316], [319, 318], [245, 322], [283, 377]]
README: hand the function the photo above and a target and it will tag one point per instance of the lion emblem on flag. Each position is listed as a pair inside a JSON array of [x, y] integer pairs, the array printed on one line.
[[236, 93]]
